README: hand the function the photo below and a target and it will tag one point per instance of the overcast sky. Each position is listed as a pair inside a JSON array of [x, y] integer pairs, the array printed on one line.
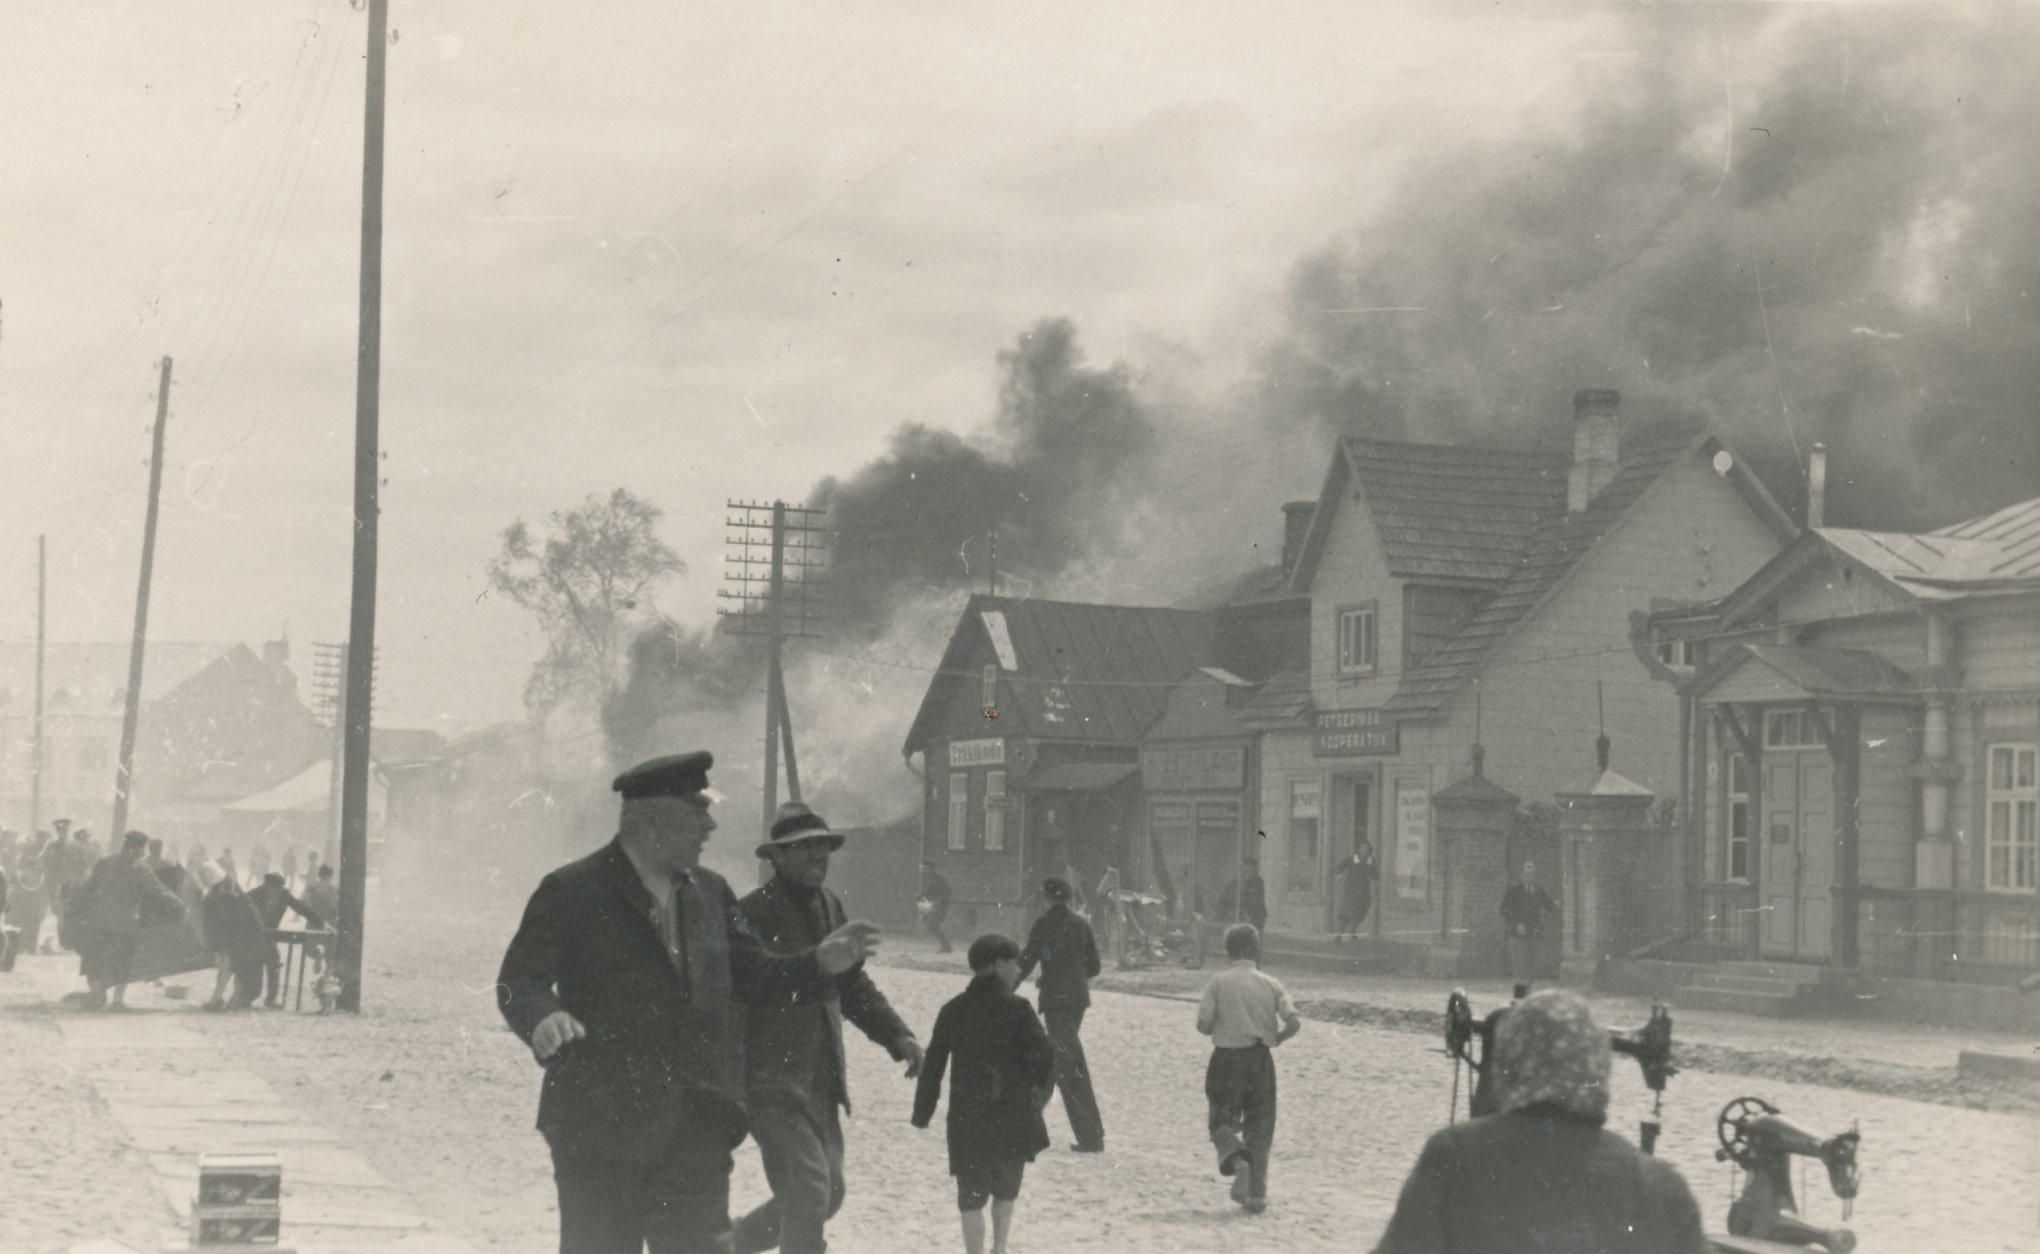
[[702, 250]]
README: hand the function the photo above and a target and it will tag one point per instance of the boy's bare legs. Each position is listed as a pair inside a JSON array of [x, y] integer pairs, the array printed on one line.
[[1002, 1224], [973, 1231]]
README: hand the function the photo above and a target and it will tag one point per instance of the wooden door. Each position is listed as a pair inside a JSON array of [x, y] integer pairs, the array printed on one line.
[[1799, 856]]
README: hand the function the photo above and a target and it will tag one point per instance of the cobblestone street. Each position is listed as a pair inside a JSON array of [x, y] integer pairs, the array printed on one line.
[[431, 1091]]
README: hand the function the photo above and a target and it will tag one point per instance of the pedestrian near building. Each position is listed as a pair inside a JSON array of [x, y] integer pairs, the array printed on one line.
[[623, 978], [28, 898], [271, 898], [1543, 1174], [793, 1045], [1524, 906], [1247, 1013], [108, 912], [323, 896], [1062, 945], [935, 895], [1004, 1066], [1356, 888]]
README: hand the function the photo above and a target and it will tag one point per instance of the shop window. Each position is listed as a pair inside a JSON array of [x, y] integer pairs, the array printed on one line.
[[995, 810], [1357, 639], [2012, 819], [959, 808], [1304, 820], [1737, 863]]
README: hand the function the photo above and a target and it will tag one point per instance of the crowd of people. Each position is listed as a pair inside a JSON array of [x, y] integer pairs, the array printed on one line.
[[139, 913], [674, 1019]]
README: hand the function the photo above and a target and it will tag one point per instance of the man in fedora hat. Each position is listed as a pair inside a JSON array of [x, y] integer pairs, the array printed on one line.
[[623, 978], [1062, 945], [793, 1044]]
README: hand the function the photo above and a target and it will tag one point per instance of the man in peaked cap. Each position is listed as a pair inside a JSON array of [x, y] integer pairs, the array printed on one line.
[[623, 978], [793, 1045]]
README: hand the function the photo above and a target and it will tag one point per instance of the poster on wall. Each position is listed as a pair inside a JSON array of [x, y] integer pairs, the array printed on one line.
[[1412, 839]]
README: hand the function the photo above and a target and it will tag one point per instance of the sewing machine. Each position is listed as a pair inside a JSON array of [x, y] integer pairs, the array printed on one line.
[[1755, 1137]]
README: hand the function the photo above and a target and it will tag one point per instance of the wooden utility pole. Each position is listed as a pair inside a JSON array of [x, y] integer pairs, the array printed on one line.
[[367, 469], [773, 597], [124, 773], [35, 784]]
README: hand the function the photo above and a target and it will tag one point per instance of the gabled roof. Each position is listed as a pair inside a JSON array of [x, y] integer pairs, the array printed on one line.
[[91, 676], [1853, 673], [1648, 452], [1079, 671], [1442, 511], [1997, 552]]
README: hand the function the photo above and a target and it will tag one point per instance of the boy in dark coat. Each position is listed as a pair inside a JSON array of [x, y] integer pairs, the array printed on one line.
[[1004, 1067]]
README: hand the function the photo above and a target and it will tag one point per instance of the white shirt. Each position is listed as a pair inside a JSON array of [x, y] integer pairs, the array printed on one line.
[[1243, 1006]]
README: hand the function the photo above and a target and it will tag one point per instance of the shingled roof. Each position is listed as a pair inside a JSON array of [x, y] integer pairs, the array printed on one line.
[[1554, 550], [1079, 672], [1442, 511]]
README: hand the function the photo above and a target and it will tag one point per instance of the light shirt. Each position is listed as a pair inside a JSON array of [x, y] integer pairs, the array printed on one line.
[[1243, 1006]]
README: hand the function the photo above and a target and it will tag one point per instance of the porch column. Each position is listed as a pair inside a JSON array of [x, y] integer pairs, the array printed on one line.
[[1936, 771]]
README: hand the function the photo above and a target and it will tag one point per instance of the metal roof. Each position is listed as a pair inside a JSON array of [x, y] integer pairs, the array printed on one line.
[[1647, 453], [1834, 672], [1282, 704], [1995, 550], [1083, 672]]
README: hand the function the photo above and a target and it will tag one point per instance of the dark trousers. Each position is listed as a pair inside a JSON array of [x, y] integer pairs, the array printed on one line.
[[675, 1202], [1073, 1074], [1239, 1085], [803, 1153], [934, 920], [272, 975]]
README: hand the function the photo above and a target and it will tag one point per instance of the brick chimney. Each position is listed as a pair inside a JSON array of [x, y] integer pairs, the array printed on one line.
[[1296, 516], [1597, 437], [1816, 486]]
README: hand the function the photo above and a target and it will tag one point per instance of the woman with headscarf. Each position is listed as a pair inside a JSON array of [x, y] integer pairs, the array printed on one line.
[[1543, 1174]]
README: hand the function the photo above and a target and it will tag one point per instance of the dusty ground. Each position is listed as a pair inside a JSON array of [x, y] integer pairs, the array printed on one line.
[[431, 1089]]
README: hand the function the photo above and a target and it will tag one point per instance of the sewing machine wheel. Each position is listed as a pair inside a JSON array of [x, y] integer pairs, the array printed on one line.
[[1458, 1024], [1729, 1127]]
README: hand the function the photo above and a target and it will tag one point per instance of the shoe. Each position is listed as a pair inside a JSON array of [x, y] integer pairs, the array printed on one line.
[[214, 1004], [272, 1005], [1239, 1188], [1255, 1205], [1080, 1148], [1233, 1162]]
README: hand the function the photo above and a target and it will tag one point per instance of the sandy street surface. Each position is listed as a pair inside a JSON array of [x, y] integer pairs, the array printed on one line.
[[431, 1090]]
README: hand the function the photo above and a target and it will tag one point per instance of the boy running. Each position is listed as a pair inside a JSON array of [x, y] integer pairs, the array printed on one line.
[[1246, 1013]]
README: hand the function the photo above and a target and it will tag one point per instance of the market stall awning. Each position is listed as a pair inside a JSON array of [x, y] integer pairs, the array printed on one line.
[[1075, 776]]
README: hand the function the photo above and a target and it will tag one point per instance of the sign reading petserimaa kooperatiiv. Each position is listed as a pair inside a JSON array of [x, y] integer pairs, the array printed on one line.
[[1349, 733], [1193, 768]]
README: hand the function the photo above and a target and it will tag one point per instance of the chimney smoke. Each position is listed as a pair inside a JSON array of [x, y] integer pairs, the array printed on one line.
[[1816, 486], [1597, 454]]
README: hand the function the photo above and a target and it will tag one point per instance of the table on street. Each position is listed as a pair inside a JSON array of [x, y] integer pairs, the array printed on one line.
[[296, 942]]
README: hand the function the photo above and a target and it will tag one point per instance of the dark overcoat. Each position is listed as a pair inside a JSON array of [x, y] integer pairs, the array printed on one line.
[[1005, 1067], [1538, 1180], [793, 1044], [1063, 944], [662, 1051]]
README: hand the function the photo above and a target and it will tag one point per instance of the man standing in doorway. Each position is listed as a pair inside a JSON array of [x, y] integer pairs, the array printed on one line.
[[1061, 943], [1253, 896], [935, 892], [623, 978], [1523, 909], [793, 1045]]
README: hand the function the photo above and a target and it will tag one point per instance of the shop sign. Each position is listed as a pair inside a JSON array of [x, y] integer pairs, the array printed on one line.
[[987, 752], [1351, 733], [1193, 768], [1412, 838]]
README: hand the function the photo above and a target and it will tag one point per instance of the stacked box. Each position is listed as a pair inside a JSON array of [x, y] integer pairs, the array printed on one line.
[[239, 1202]]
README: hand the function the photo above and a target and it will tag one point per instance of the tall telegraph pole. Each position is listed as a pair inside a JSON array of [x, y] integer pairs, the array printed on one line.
[[35, 785], [774, 578], [123, 780], [361, 618]]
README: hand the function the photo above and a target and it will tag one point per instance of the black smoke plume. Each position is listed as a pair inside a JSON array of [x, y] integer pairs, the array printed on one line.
[[1054, 473], [1802, 223]]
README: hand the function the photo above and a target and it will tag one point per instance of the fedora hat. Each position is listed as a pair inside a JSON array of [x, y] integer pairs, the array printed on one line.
[[796, 824]]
